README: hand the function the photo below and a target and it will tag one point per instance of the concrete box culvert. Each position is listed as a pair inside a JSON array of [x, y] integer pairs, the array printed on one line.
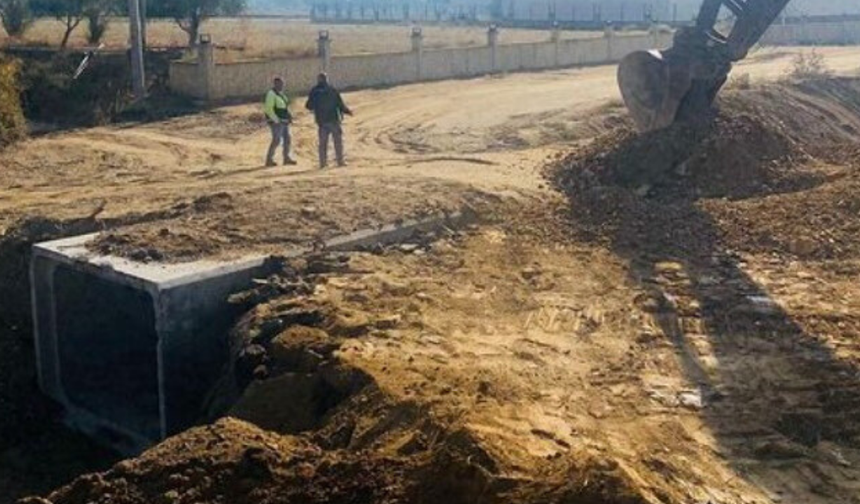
[[132, 349]]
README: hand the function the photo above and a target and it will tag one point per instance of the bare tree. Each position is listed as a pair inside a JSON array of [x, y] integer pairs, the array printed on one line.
[[190, 14], [70, 12]]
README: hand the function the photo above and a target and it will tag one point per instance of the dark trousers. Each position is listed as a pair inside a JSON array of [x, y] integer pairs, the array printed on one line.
[[335, 131]]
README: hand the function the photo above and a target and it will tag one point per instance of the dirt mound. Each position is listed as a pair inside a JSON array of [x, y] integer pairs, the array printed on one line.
[[822, 114], [233, 462], [735, 157], [821, 223], [776, 175], [257, 222]]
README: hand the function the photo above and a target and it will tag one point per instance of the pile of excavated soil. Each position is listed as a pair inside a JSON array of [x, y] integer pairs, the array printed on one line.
[[767, 176], [233, 462], [302, 213]]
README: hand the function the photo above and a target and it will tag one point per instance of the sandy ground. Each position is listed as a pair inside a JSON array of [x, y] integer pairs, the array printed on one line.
[[530, 353], [446, 140]]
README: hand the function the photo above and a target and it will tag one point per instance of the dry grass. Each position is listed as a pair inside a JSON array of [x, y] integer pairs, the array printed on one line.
[[809, 66], [12, 124], [267, 37]]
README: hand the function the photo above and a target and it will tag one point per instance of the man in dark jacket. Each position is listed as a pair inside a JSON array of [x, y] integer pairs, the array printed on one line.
[[328, 107]]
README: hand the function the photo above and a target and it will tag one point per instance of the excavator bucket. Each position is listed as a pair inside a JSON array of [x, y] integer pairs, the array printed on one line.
[[681, 83], [653, 87]]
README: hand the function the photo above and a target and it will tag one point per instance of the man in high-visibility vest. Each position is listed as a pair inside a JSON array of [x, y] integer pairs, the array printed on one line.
[[276, 107]]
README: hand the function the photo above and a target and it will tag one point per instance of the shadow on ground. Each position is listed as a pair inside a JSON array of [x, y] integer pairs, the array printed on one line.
[[784, 408]]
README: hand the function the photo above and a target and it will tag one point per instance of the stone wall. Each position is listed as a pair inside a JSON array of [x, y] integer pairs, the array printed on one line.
[[208, 80]]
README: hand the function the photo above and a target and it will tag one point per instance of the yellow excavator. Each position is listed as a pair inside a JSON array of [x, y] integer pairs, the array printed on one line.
[[680, 84]]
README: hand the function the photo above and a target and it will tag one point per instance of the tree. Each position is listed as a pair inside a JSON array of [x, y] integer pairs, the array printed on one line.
[[97, 19], [190, 14], [70, 12], [16, 16]]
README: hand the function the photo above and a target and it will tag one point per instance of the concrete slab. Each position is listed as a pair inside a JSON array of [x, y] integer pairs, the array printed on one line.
[[131, 349]]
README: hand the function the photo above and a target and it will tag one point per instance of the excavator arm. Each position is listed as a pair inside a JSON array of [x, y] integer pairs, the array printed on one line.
[[681, 83]]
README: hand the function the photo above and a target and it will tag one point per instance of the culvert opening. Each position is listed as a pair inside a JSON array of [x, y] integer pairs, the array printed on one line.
[[107, 345]]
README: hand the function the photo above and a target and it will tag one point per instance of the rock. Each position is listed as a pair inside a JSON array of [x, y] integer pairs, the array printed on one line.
[[691, 399], [300, 347], [250, 358], [530, 273], [261, 372], [349, 323], [802, 247], [646, 338], [396, 288], [408, 247], [655, 302], [387, 322], [780, 449], [760, 305]]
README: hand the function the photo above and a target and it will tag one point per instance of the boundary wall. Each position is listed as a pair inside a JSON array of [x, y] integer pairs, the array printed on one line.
[[208, 80], [844, 32]]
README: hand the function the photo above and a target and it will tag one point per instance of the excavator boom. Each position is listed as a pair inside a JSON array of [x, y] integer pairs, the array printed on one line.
[[681, 83]]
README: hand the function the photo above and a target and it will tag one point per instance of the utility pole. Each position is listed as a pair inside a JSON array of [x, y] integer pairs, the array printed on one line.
[[143, 19], [138, 80]]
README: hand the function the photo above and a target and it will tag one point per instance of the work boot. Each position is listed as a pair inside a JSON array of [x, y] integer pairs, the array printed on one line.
[[270, 163], [290, 162]]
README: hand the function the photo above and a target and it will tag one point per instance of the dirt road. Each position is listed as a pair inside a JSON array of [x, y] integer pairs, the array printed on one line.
[[534, 361], [442, 140]]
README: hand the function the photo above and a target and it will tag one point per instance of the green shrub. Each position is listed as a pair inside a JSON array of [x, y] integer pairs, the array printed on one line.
[[12, 124]]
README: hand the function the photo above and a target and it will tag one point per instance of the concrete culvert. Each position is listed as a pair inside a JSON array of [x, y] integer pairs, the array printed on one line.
[[108, 329]]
